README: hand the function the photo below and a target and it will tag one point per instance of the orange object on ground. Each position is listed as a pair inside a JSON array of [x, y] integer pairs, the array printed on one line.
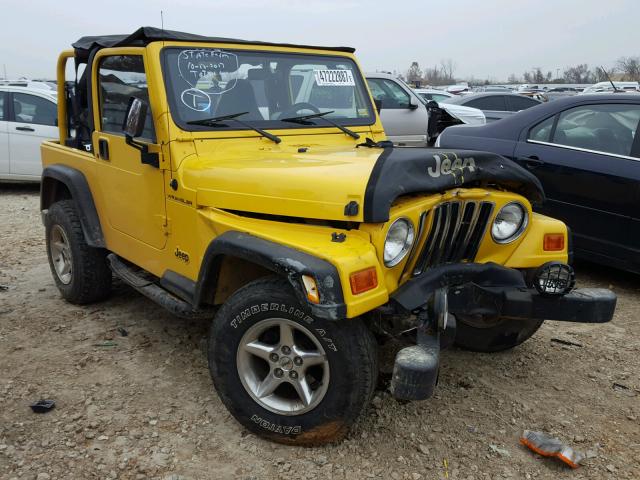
[[547, 446]]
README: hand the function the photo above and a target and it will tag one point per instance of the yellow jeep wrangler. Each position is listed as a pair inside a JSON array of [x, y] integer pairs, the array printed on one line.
[[250, 183]]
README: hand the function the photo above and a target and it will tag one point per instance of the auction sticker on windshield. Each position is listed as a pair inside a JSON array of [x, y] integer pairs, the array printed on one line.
[[334, 78]]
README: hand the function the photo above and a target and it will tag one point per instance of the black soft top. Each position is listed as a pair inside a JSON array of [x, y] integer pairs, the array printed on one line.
[[145, 35]]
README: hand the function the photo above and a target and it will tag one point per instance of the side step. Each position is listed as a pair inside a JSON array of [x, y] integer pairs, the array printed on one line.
[[153, 291]]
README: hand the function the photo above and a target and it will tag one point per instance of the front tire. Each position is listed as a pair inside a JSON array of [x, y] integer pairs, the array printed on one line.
[[81, 272], [285, 375], [493, 335]]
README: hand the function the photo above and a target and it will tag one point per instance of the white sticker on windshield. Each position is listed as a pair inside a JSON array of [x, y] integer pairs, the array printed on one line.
[[334, 78]]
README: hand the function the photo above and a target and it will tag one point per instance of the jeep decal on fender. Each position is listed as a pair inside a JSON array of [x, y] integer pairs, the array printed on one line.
[[446, 167], [180, 255]]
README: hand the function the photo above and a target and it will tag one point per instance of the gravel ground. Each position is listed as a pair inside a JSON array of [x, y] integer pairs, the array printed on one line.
[[143, 405]]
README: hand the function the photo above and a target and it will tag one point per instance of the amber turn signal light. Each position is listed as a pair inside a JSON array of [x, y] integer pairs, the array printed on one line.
[[312, 289], [553, 242], [363, 280]]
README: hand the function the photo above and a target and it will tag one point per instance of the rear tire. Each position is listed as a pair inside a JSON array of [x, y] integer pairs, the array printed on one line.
[[494, 335], [260, 336], [80, 272]]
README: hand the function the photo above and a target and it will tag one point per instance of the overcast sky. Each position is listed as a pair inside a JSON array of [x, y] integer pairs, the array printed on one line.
[[486, 39]]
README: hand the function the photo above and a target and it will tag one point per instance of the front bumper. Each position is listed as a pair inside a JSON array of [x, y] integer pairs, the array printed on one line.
[[486, 290], [492, 290]]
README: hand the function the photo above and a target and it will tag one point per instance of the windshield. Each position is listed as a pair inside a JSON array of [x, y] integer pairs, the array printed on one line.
[[270, 87]]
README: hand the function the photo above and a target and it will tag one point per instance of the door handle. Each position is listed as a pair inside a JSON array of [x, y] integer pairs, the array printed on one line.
[[26, 129], [531, 162], [103, 148]]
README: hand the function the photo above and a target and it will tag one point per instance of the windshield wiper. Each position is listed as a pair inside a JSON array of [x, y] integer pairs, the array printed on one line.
[[303, 119], [211, 122]]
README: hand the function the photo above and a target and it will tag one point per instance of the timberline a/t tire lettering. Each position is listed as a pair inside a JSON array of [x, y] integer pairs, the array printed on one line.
[[281, 308]]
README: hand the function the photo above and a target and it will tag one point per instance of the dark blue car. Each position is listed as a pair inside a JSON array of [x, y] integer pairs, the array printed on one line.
[[586, 152]]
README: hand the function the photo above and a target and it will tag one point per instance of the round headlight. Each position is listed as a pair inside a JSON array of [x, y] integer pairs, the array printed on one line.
[[510, 222], [398, 242]]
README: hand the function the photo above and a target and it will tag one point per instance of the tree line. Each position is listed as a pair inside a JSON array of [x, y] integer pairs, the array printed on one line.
[[625, 69]]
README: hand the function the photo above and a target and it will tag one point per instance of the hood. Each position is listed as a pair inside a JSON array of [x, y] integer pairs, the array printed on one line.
[[355, 184], [468, 115], [318, 183]]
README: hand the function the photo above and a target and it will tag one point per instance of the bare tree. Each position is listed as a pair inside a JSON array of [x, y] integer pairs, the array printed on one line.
[[448, 67], [579, 74], [513, 79], [414, 74], [630, 68]]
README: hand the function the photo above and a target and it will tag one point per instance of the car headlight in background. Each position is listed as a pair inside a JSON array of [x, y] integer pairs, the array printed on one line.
[[510, 222], [398, 242]]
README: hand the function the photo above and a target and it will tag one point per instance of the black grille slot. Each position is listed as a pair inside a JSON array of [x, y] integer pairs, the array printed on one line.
[[456, 231]]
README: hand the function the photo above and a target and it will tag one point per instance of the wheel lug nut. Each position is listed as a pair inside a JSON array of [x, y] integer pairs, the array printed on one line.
[[293, 374], [297, 361], [274, 357], [278, 372], [286, 350]]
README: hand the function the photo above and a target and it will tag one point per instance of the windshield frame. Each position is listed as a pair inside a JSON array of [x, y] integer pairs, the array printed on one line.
[[172, 101]]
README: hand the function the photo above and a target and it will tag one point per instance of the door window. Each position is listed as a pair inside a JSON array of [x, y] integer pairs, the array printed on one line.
[[494, 102], [604, 128], [122, 77], [389, 93], [542, 131], [32, 109], [518, 103]]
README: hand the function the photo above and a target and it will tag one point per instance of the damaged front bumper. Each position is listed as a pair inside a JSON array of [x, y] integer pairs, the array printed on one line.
[[477, 290]]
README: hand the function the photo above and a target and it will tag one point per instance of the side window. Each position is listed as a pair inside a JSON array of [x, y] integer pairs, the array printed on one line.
[[2, 106], [389, 93], [518, 103], [494, 102], [122, 77], [542, 131], [607, 128], [32, 109]]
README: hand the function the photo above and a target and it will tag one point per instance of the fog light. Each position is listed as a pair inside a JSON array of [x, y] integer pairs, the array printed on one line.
[[312, 289], [554, 278], [363, 280], [553, 242]]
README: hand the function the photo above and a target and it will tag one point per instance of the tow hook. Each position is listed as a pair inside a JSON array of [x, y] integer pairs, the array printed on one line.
[[415, 371]]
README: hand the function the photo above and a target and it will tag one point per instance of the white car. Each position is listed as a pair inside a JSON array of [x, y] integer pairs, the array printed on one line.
[[429, 94], [606, 87], [28, 116]]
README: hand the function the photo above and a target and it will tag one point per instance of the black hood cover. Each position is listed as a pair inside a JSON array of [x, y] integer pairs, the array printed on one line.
[[404, 170], [146, 35]]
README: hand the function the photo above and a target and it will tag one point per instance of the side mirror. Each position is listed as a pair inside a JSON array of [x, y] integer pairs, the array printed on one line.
[[378, 104], [135, 117], [413, 104], [133, 126]]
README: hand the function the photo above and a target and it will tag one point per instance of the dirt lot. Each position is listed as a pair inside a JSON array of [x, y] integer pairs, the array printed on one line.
[[143, 406]]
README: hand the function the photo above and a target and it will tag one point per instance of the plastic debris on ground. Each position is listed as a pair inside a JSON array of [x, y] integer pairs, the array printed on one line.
[[548, 446], [42, 406]]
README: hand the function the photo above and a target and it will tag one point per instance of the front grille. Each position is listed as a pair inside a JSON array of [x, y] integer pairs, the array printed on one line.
[[456, 231]]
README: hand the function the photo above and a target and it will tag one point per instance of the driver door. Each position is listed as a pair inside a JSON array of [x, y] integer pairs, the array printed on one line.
[[133, 193]]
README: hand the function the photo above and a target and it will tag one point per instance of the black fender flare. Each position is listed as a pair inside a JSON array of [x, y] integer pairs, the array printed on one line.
[[280, 259], [78, 187]]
